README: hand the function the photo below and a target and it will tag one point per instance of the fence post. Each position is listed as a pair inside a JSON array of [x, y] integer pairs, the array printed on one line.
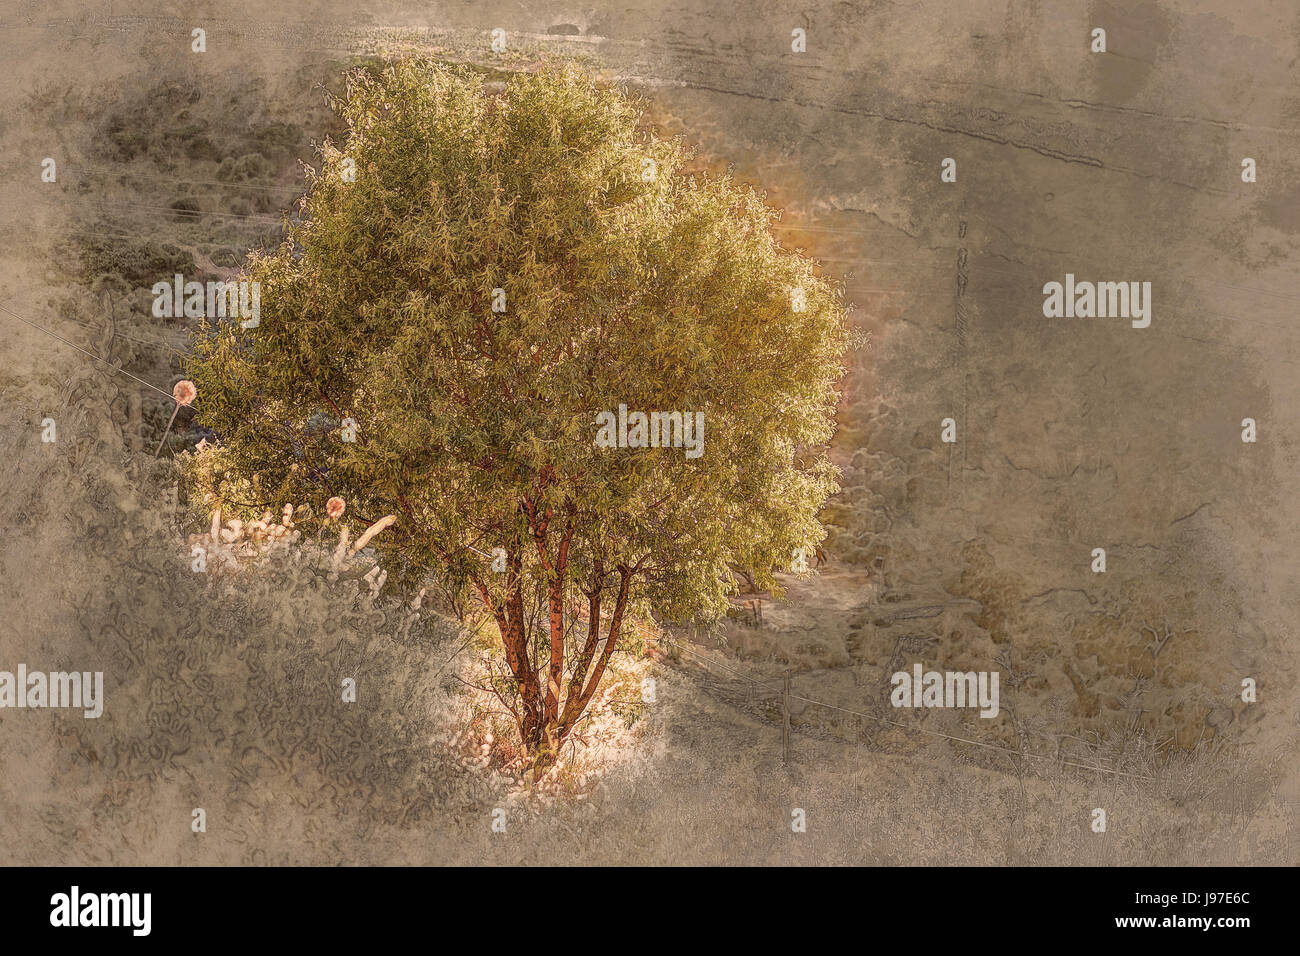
[[785, 723]]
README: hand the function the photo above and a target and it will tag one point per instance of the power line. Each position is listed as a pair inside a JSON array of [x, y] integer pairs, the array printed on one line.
[[87, 352], [921, 730]]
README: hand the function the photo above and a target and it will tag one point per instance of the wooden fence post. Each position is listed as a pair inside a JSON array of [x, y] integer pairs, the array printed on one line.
[[785, 728]]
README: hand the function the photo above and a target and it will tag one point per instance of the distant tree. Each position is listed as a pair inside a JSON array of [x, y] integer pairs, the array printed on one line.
[[505, 265]]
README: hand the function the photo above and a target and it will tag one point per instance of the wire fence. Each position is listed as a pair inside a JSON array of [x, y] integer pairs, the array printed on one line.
[[787, 696]]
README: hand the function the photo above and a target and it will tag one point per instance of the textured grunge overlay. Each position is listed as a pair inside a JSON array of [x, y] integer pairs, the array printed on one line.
[[1120, 691]]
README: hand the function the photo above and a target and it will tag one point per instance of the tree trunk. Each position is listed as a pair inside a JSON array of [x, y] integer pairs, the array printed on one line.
[[543, 724], [514, 639], [576, 705]]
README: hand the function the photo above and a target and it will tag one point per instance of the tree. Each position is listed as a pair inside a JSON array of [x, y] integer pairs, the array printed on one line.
[[505, 265]]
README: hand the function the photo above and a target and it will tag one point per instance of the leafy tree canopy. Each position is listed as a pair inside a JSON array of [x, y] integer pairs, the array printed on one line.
[[626, 280]]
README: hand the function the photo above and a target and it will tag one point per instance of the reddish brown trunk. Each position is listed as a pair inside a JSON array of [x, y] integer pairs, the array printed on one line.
[[556, 570], [543, 724], [514, 639], [574, 709], [588, 648]]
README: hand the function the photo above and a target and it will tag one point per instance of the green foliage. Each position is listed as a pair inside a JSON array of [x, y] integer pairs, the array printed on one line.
[[663, 292], [139, 263]]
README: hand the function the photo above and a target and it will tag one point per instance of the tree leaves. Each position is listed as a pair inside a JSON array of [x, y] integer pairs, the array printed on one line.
[[662, 293]]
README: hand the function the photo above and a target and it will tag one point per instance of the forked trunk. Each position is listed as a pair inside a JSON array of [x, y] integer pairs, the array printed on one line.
[[544, 724]]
